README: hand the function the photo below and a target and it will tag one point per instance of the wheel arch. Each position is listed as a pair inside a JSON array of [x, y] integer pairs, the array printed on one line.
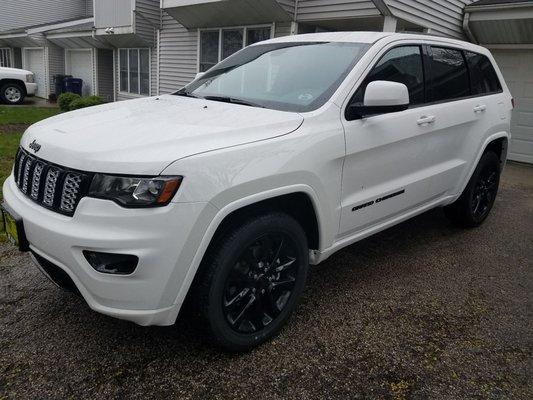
[[246, 207], [498, 142], [17, 81]]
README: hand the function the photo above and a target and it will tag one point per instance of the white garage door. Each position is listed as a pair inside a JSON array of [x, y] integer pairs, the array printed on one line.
[[34, 62], [517, 68], [80, 65]]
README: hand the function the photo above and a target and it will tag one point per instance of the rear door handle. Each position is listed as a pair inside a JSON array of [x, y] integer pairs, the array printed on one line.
[[426, 119], [480, 108]]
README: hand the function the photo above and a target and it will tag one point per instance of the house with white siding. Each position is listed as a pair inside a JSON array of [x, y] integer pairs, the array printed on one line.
[[110, 44], [124, 49]]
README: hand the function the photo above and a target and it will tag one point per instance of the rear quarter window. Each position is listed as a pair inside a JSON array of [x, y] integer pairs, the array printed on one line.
[[482, 74]]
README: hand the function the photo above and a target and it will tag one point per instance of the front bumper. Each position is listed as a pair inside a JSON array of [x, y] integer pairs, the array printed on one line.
[[31, 89], [164, 239]]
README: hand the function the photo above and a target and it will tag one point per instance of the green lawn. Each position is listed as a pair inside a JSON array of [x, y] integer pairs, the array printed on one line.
[[24, 115], [13, 123]]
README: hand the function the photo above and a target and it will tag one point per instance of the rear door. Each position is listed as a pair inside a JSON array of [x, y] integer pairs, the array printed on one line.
[[465, 112]]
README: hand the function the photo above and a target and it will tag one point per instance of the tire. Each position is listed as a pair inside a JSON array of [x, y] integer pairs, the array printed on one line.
[[12, 93], [476, 201], [241, 302]]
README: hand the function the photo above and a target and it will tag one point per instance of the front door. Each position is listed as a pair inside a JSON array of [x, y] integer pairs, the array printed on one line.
[[80, 65], [387, 169], [34, 62]]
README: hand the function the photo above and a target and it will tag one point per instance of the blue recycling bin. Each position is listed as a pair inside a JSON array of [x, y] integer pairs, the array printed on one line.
[[72, 85], [59, 83]]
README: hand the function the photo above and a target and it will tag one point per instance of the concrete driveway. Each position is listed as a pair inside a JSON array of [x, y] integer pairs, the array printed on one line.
[[421, 311]]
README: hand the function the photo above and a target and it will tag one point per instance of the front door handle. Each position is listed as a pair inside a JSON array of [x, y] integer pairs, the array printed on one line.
[[426, 119], [480, 108]]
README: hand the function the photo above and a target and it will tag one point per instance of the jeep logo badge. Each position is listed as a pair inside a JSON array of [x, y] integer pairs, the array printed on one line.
[[35, 146]]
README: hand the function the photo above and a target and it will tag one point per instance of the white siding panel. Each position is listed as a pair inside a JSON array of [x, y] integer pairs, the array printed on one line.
[[23, 13], [179, 55], [444, 17], [113, 13], [314, 10]]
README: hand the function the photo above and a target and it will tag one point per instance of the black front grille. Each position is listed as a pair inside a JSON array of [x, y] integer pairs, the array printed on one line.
[[52, 186]]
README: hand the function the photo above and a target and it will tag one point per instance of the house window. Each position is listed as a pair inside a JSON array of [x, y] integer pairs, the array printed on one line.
[[5, 58], [134, 71], [218, 44]]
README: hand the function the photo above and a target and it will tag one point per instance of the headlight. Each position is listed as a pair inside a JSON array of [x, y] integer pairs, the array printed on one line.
[[30, 78], [135, 191]]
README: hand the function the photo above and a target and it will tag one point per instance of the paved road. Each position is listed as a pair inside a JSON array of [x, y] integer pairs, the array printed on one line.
[[420, 311]]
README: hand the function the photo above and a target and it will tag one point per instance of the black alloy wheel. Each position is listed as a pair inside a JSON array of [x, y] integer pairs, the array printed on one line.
[[251, 280], [261, 283], [484, 192]]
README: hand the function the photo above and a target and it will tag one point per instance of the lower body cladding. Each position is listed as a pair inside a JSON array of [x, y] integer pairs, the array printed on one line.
[[164, 240]]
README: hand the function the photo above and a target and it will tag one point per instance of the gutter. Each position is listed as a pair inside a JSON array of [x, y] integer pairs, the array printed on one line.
[[494, 7]]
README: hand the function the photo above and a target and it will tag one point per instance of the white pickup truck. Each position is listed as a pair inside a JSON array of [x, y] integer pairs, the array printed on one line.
[[16, 84]]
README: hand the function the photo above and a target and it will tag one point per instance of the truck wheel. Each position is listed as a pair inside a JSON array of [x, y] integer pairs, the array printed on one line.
[[12, 93], [476, 201], [251, 281]]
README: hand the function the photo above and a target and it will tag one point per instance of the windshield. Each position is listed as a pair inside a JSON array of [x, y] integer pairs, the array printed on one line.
[[297, 76]]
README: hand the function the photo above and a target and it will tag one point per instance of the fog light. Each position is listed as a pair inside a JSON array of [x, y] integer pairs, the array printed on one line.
[[109, 263]]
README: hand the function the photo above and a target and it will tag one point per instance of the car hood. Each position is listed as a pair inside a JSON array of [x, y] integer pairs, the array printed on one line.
[[144, 136]]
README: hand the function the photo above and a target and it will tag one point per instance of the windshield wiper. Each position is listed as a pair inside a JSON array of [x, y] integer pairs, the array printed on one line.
[[186, 94], [233, 100]]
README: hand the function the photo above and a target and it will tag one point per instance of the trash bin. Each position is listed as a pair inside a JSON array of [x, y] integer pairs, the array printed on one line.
[[59, 83], [73, 85]]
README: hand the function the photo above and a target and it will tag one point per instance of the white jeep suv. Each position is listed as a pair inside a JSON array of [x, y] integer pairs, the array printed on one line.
[[224, 192], [16, 84]]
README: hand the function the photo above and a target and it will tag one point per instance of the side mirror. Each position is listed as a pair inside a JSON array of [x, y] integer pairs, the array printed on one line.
[[381, 97]]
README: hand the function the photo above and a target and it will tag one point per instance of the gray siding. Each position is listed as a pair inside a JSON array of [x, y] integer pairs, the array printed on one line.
[[56, 64], [105, 74], [23, 13], [282, 29], [288, 5], [113, 13], [17, 57], [178, 55], [315, 10], [89, 8], [147, 19], [443, 17]]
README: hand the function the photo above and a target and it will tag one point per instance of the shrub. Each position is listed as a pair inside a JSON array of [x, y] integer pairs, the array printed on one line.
[[83, 102], [65, 99]]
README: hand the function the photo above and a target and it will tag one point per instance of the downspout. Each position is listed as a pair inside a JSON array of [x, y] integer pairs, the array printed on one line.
[[158, 65], [466, 27]]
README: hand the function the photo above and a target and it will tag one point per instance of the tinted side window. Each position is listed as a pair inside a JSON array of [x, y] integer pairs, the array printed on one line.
[[482, 74], [402, 65], [449, 75]]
